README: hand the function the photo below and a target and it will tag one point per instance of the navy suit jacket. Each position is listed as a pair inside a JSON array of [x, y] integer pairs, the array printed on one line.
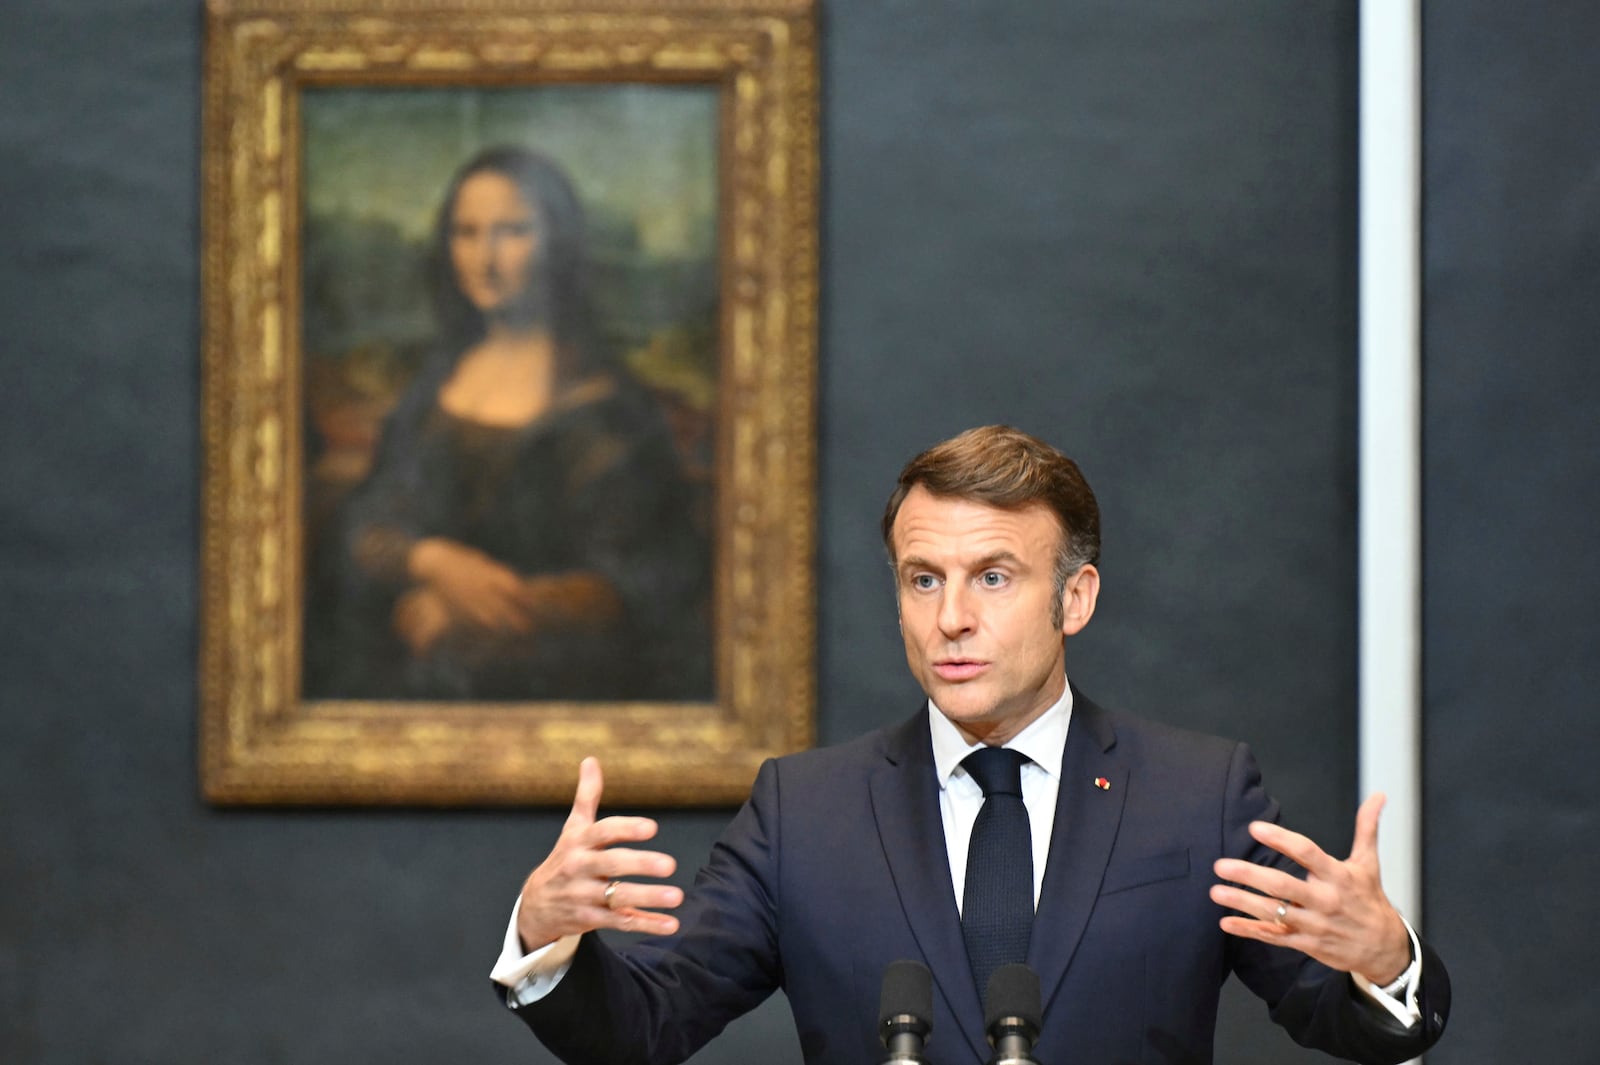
[[837, 866]]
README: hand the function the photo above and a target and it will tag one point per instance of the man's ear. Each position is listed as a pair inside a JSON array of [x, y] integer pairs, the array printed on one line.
[[1078, 599]]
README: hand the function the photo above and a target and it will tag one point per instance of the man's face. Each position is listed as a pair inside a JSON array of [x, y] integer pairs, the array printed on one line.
[[976, 589]]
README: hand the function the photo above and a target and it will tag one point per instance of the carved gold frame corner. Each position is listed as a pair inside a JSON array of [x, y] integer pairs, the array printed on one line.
[[260, 742]]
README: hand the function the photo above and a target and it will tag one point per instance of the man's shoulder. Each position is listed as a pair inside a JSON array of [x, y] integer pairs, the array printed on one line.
[[1149, 738], [822, 784], [890, 743]]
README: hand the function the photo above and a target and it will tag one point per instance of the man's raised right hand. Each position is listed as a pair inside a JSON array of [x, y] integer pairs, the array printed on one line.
[[566, 894]]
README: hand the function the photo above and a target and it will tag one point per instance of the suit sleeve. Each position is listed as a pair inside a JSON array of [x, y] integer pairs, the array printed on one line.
[[657, 1001], [1319, 1007]]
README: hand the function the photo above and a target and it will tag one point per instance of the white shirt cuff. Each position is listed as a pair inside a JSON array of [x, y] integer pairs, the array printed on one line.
[[528, 977], [1399, 998]]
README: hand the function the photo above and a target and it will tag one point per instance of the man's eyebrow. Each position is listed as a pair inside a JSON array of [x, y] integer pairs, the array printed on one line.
[[994, 558]]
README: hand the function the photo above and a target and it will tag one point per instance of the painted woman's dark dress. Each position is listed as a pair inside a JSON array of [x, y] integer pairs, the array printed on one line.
[[594, 485]]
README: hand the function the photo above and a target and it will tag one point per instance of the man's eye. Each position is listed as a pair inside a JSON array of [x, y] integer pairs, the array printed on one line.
[[992, 578], [922, 581]]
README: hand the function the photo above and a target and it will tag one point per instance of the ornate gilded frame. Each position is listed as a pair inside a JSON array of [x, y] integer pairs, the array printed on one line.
[[260, 742]]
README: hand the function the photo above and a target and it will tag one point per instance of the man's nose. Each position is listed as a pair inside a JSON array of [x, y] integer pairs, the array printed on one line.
[[955, 611]]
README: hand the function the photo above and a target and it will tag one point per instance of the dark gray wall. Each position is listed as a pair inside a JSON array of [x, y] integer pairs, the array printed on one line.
[[1512, 576], [1128, 228]]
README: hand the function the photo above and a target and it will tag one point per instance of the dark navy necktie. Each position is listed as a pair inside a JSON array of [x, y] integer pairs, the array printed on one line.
[[997, 904]]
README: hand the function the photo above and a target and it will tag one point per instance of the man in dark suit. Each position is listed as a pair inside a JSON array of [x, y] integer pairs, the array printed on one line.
[[848, 858]]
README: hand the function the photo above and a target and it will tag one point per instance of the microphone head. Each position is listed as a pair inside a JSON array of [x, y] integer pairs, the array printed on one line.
[[1012, 996], [906, 1003]]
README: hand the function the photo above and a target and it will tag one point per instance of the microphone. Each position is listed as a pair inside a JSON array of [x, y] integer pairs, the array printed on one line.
[[1012, 1015], [904, 1008]]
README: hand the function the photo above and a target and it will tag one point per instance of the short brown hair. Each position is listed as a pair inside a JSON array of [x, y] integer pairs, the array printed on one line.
[[1006, 468]]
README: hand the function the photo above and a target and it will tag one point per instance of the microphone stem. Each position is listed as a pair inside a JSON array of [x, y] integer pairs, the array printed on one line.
[[905, 1047], [1013, 1048]]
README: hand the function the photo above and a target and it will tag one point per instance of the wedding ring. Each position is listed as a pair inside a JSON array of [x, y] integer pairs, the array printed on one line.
[[1283, 909], [611, 890]]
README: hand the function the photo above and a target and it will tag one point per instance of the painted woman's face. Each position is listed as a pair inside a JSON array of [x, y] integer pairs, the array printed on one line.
[[494, 242]]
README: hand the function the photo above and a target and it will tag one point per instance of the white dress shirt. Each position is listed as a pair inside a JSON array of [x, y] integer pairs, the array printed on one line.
[[960, 798]]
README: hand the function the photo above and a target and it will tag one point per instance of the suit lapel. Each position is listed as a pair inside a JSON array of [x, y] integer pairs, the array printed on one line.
[[1087, 817], [905, 803]]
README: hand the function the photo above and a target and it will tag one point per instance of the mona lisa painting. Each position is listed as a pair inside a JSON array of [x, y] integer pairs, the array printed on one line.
[[508, 365], [529, 518]]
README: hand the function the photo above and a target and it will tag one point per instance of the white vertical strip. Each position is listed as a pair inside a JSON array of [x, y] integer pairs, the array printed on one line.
[[1390, 436]]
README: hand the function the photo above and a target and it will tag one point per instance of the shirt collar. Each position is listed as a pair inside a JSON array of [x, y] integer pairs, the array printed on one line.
[[1042, 741]]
